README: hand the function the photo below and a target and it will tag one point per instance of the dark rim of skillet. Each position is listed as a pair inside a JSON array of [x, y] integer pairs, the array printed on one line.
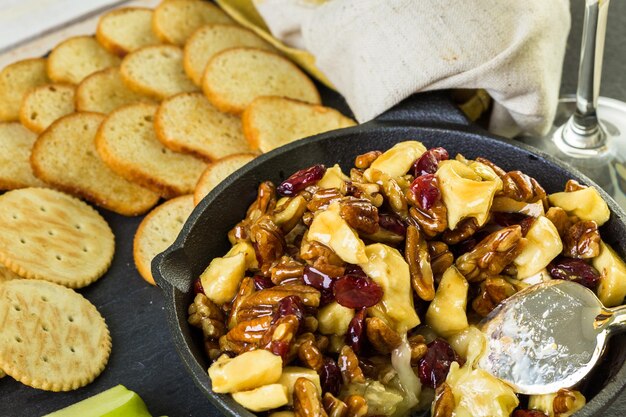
[[430, 119]]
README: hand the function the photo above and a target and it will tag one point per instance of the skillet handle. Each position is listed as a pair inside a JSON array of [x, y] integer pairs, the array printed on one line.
[[171, 272], [434, 108]]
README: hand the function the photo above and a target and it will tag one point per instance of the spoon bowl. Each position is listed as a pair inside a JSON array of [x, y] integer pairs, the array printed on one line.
[[548, 336]]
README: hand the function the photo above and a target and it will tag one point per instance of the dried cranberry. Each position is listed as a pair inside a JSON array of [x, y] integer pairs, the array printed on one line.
[[261, 282], [528, 413], [428, 162], [320, 281], [354, 291], [279, 348], [575, 270], [291, 304], [330, 376], [510, 219], [434, 366], [392, 223], [301, 179], [197, 287], [426, 191], [356, 328]]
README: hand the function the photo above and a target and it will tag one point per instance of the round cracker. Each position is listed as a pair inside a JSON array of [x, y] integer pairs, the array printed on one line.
[[158, 230], [46, 234], [52, 338]]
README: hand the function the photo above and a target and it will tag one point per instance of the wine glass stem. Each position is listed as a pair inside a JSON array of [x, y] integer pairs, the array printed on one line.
[[583, 130]]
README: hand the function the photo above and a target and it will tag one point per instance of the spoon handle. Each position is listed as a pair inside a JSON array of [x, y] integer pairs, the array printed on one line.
[[614, 319]]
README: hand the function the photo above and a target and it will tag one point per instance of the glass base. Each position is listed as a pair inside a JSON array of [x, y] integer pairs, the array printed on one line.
[[605, 165]]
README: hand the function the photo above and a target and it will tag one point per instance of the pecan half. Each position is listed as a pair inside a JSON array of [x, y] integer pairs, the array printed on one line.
[[492, 292], [322, 198], [364, 161], [349, 365], [286, 269], [432, 221], [280, 336], [418, 346], [310, 355], [491, 255], [334, 406], [463, 231], [246, 334], [263, 205], [499, 171], [440, 257], [205, 315], [361, 215], [573, 185], [269, 242], [246, 288], [521, 187], [357, 406], [582, 240], [418, 258], [564, 402], [306, 400], [322, 258], [392, 191], [262, 303], [444, 404], [382, 337], [560, 219]]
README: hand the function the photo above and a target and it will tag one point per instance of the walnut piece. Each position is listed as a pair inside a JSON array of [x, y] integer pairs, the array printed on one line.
[[491, 255], [382, 337], [573, 185], [521, 187], [322, 258], [206, 315], [582, 240], [417, 256], [463, 231], [492, 292], [306, 400]]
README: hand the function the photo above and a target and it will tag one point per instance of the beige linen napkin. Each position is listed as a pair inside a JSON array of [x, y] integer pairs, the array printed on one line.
[[378, 52]]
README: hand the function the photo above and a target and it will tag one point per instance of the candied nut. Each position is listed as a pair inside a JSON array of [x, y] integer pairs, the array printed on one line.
[[359, 214], [269, 242], [560, 219], [528, 413], [364, 161], [280, 335], [334, 406], [417, 256], [310, 355], [322, 198], [463, 231], [573, 185], [444, 404], [246, 288], [582, 240], [307, 218], [205, 315], [357, 406], [349, 365], [390, 189], [263, 302], [381, 336], [212, 349], [433, 221], [310, 324], [246, 334], [491, 255], [492, 292], [567, 401], [288, 212], [499, 171], [285, 269], [306, 399], [521, 187], [322, 258], [418, 346], [440, 257]]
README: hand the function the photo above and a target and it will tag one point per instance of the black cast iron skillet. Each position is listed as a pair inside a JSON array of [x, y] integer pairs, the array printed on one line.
[[430, 118]]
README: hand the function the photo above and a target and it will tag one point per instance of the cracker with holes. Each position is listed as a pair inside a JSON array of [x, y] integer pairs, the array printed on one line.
[[158, 230], [46, 234], [52, 338]]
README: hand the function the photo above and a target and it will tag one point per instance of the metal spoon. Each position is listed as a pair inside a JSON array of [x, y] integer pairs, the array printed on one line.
[[548, 336]]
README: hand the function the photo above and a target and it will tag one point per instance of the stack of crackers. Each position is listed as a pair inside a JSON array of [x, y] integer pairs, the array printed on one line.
[[159, 105]]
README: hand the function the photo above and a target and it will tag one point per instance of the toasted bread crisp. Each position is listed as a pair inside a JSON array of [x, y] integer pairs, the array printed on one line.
[[52, 338], [235, 77], [175, 20], [158, 230], [156, 71], [271, 122], [16, 143], [75, 58], [126, 29], [65, 156], [16, 80], [46, 234], [212, 39], [217, 172], [104, 91], [128, 144], [189, 123], [45, 104]]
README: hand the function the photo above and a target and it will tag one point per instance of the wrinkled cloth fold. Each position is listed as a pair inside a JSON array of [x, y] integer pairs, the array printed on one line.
[[378, 52]]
